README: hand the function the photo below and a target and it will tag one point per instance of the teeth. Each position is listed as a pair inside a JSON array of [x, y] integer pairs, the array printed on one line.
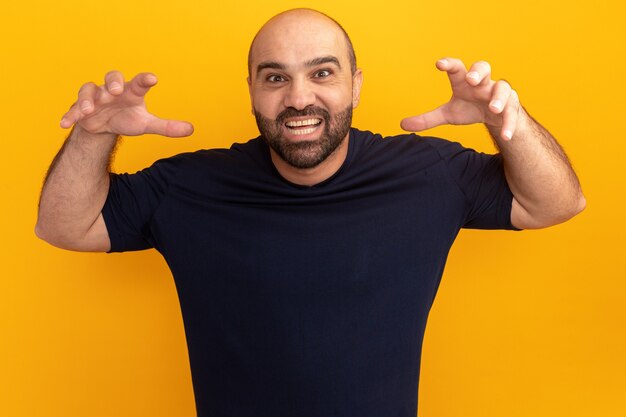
[[307, 122], [303, 131]]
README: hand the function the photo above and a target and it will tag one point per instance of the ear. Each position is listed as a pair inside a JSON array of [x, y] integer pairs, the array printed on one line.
[[357, 81], [250, 93]]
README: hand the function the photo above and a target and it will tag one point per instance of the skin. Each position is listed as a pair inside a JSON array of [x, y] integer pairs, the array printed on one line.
[[545, 188], [77, 182], [299, 60]]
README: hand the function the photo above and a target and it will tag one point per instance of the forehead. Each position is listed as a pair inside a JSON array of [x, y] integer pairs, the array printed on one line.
[[293, 40]]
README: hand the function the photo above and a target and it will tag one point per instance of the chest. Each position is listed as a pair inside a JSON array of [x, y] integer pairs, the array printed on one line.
[[359, 240]]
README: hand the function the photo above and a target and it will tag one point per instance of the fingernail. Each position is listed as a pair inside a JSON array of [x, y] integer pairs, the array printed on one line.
[[496, 104], [443, 62], [473, 75], [507, 134]]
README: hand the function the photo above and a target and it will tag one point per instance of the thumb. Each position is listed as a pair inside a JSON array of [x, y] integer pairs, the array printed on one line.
[[424, 121], [169, 128]]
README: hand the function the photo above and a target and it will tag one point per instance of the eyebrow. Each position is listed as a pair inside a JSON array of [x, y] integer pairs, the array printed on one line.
[[323, 60], [312, 63]]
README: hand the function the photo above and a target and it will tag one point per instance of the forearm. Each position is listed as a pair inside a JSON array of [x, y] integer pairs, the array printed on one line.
[[539, 174], [75, 188]]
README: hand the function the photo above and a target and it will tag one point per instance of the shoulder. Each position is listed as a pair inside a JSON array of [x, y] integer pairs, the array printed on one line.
[[194, 167], [366, 139], [207, 171], [210, 159], [408, 148]]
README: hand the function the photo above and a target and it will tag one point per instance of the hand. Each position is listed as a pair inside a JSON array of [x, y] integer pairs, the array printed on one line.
[[476, 98], [119, 108]]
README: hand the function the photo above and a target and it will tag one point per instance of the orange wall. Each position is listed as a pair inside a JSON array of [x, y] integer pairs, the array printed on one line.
[[525, 324]]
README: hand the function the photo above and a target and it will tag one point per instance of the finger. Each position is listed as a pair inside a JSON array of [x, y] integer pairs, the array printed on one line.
[[114, 82], [500, 96], [454, 68], [71, 116], [87, 96], [479, 72], [169, 128], [142, 83], [424, 121], [509, 117]]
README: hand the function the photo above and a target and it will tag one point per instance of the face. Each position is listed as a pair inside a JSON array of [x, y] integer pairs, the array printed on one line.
[[302, 88], [305, 153]]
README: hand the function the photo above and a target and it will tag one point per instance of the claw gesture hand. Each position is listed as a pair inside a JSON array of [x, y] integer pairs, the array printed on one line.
[[476, 98], [119, 108]]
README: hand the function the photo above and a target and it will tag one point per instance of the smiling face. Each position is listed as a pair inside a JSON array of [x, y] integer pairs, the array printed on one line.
[[303, 89]]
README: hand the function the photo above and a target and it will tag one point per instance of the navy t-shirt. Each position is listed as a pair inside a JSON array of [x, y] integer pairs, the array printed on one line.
[[308, 301]]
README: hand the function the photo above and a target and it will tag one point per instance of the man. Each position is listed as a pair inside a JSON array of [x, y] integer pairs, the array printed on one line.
[[306, 260]]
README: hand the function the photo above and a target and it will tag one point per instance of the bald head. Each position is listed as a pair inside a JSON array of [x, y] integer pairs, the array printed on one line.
[[289, 20]]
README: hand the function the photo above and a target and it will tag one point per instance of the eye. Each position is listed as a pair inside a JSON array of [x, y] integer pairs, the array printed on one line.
[[275, 78], [323, 73]]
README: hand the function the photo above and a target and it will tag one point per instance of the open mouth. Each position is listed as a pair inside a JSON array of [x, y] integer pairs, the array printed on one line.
[[303, 127]]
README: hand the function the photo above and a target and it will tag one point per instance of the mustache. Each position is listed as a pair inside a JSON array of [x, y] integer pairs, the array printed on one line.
[[307, 111]]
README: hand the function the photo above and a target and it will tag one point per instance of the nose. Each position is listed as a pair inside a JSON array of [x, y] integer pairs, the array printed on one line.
[[299, 94]]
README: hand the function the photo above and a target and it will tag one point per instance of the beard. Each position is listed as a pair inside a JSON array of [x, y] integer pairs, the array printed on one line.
[[306, 153]]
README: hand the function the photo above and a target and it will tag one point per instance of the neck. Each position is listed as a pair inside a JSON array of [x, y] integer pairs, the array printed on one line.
[[317, 174]]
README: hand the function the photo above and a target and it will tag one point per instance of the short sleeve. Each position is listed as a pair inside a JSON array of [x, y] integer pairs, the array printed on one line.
[[481, 179], [132, 201]]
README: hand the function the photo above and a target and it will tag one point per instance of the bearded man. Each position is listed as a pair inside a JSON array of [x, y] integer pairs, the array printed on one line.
[[306, 260]]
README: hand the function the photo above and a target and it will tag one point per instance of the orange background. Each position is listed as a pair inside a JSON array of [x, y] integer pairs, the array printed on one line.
[[525, 324]]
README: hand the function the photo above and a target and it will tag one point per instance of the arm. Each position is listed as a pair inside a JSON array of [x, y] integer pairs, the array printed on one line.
[[77, 183], [545, 188], [74, 193]]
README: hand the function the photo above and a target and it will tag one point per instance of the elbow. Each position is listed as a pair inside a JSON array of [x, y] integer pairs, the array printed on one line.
[[44, 234], [51, 237], [575, 207], [582, 204], [40, 231], [93, 240], [568, 211], [543, 216]]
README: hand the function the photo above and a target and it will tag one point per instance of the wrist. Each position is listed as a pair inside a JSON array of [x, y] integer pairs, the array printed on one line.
[[523, 126], [78, 133]]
